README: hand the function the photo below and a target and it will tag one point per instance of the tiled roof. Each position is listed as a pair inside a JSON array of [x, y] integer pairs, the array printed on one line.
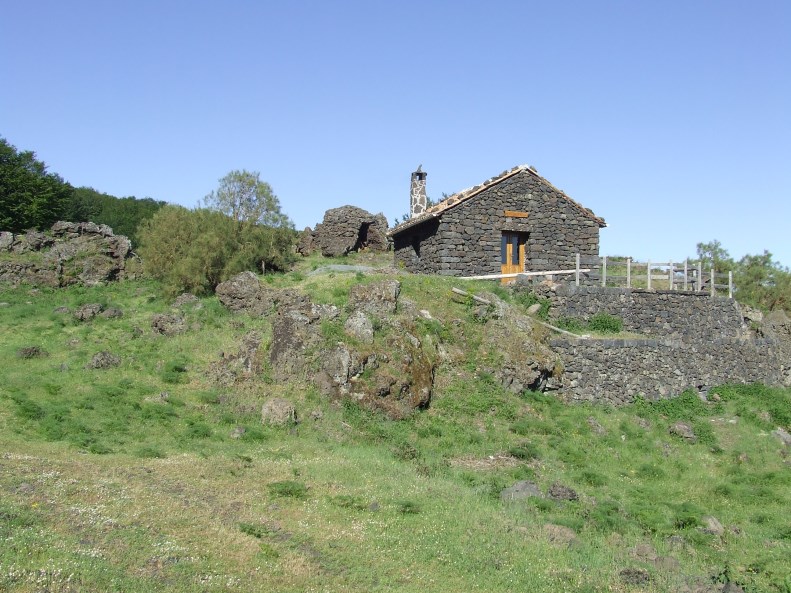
[[450, 202]]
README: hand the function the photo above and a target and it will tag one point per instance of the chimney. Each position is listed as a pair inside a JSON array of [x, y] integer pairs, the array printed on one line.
[[417, 193]]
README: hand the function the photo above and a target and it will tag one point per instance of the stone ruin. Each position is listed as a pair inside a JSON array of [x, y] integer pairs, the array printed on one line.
[[71, 253], [343, 230]]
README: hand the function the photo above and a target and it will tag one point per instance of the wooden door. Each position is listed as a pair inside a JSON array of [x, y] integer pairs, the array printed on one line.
[[512, 254]]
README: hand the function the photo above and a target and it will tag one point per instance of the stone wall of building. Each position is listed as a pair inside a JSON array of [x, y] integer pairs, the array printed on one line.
[[466, 239], [616, 371]]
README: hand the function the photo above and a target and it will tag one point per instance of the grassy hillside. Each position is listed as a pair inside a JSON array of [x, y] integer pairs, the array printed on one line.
[[129, 478]]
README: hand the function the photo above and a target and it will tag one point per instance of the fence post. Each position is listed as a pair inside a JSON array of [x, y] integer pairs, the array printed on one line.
[[648, 274], [713, 290], [700, 276], [604, 271], [671, 273], [577, 269], [730, 284], [686, 262], [628, 272]]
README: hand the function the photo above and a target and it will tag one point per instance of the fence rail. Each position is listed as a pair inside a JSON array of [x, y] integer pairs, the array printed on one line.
[[686, 275], [624, 272]]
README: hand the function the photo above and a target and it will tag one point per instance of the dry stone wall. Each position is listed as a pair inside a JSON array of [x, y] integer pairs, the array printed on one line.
[[616, 371], [694, 342], [691, 316]]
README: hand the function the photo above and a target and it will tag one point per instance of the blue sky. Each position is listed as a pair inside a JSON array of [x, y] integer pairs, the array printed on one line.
[[671, 120]]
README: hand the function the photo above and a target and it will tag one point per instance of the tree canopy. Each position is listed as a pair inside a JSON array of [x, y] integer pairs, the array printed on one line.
[[760, 281], [123, 215], [242, 228], [246, 199], [30, 197]]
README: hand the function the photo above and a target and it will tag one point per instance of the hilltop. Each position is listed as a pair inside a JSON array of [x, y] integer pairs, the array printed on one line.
[[135, 457]]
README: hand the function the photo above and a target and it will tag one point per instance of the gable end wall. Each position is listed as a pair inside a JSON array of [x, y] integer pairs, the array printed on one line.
[[466, 239]]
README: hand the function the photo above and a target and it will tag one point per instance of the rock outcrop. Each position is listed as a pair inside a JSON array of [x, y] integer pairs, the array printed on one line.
[[72, 253], [345, 229], [525, 362], [385, 363], [245, 293]]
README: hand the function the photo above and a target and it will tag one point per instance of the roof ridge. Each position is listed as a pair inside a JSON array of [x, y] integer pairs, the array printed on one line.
[[465, 194]]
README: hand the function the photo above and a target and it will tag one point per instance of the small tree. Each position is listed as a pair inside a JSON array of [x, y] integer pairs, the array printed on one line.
[[246, 199], [714, 252]]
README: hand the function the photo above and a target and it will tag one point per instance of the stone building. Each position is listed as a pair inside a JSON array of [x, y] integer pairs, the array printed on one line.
[[514, 222]]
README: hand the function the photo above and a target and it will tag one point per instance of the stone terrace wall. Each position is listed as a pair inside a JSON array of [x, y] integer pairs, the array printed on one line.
[[696, 342], [691, 316], [616, 371], [467, 239]]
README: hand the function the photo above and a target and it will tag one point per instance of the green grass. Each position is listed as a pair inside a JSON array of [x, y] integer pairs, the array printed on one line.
[[108, 485]]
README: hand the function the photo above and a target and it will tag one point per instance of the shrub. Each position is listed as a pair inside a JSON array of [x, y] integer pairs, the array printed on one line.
[[525, 450], [650, 471], [208, 397], [407, 507], [195, 250], [687, 515], [175, 371], [687, 406], [605, 323], [255, 530], [348, 501], [592, 478], [28, 410], [199, 430], [405, 451], [149, 452], [288, 488], [607, 516], [527, 299]]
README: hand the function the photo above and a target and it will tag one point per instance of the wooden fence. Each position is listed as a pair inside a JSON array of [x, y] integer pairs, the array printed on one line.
[[686, 275], [623, 272]]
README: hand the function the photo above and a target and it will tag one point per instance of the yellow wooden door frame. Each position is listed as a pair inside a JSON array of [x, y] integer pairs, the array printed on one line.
[[511, 239]]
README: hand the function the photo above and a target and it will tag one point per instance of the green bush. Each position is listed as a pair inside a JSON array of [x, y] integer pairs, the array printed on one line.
[[686, 515], [571, 324], [605, 324], [407, 507], [195, 250], [602, 323], [606, 516], [288, 489], [592, 478], [199, 430], [28, 410], [255, 530], [149, 452], [525, 450], [349, 501], [527, 299]]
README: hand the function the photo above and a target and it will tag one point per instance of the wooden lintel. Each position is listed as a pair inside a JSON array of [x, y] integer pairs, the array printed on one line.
[[516, 214]]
